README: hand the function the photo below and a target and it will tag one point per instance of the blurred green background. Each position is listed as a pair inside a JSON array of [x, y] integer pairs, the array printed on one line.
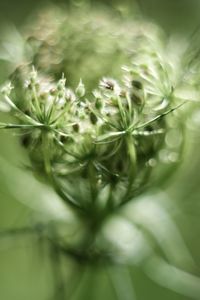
[[24, 273]]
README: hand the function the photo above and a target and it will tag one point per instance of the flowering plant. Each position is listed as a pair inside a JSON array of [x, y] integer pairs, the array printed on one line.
[[103, 141]]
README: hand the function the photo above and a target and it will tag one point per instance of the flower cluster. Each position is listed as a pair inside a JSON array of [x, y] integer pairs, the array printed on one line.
[[103, 135], [100, 141], [107, 141], [98, 102]]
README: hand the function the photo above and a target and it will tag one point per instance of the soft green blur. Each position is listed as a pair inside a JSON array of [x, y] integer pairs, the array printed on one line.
[[25, 273]]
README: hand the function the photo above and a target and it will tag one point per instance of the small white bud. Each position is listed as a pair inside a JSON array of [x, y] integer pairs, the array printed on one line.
[[33, 76], [61, 83], [80, 90]]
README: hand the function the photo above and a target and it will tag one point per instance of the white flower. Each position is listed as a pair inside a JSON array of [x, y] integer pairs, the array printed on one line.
[[69, 95]]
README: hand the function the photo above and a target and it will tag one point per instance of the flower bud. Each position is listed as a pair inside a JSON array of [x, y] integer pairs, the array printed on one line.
[[98, 100], [93, 118], [61, 84], [137, 84], [76, 127], [80, 90], [137, 99], [33, 76]]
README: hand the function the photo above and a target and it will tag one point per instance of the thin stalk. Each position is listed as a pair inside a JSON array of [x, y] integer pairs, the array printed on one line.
[[56, 186], [133, 163]]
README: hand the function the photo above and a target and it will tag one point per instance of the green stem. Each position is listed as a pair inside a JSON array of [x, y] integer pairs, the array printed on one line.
[[48, 169], [133, 163]]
